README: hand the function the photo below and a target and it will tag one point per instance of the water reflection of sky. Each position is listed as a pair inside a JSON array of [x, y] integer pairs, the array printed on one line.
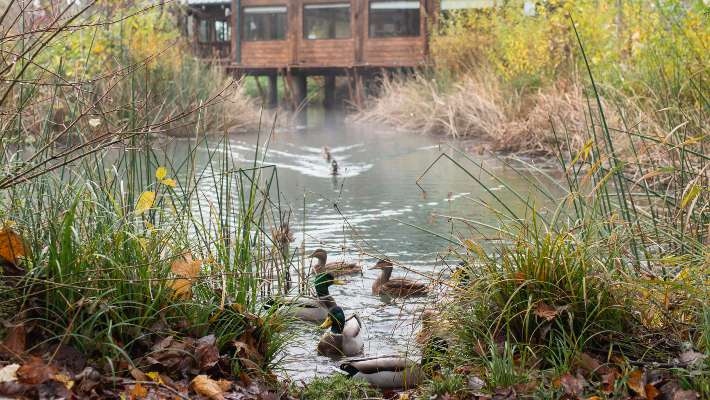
[[373, 207]]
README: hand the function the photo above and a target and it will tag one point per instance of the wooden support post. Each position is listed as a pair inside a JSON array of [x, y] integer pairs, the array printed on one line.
[[288, 80], [302, 93], [262, 95], [329, 100], [359, 91], [273, 91]]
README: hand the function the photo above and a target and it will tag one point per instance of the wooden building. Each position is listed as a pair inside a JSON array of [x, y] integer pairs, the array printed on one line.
[[297, 38]]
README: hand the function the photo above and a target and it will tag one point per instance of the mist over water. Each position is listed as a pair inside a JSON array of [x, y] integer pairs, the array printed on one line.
[[372, 207]]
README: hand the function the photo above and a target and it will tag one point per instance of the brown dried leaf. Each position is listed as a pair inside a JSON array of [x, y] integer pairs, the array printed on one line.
[[138, 392], [685, 395], [546, 311], [137, 374], [588, 362], [572, 385], [12, 247], [691, 357], [35, 371], [205, 386], [187, 269], [651, 392], [206, 353], [637, 382], [16, 340], [609, 381]]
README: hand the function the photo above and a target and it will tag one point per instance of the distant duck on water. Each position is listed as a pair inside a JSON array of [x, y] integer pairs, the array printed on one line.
[[334, 167], [395, 287], [337, 268], [326, 153]]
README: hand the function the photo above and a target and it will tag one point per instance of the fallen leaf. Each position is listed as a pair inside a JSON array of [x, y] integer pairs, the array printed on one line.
[[145, 202], [12, 247], [138, 391], [8, 373], [16, 339], [572, 385], [588, 362], [203, 385], [609, 381], [206, 352], [137, 374], [690, 357], [94, 122], [65, 380], [546, 311], [155, 377], [35, 372], [685, 395], [651, 392], [187, 269], [637, 382]]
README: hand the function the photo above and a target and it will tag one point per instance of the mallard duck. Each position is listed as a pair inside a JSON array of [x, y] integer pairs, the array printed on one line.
[[345, 336], [386, 372], [337, 268], [312, 309], [398, 287]]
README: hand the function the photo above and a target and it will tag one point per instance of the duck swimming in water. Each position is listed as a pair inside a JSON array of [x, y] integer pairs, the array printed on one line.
[[312, 309], [337, 268], [395, 287], [345, 336]]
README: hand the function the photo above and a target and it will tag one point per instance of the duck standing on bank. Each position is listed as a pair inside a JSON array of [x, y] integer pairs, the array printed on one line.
[[345, 336], [334, 168], [312, 309], [395, 287], [337, 268]]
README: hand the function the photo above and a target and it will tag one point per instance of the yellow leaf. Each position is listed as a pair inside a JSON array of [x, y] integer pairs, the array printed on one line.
[[145, 202], [11, 246], [155, 377], [68, 382], [690, 195], [203, 385], [161, 173], [187, 270], [169, 182]]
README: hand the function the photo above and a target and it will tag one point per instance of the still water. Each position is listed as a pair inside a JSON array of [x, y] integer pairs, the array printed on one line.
[[374, 206]]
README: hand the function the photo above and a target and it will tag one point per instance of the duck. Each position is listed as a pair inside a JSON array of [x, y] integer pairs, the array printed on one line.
[[397, 287], [345, 336], [312, 309], [334, 167], [386, 372], [337, 268], [326, 153]]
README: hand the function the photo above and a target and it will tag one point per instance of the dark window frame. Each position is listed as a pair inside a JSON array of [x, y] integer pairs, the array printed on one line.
[[243, 19], [325, 6], [417, 27]]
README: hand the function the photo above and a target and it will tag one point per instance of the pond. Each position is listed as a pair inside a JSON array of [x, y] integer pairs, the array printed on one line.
[[374, 206]]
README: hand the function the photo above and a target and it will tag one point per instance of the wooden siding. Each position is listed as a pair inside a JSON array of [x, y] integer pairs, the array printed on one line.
[[357, 51]]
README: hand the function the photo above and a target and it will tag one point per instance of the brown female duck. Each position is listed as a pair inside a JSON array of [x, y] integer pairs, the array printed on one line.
[[397, 287], [337, 268]]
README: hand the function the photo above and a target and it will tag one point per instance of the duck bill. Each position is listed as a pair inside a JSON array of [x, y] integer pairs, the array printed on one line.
[[327, 323], [338, 282]]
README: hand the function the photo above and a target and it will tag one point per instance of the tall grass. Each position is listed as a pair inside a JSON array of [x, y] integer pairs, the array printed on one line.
[[84, 186], [617, 266]]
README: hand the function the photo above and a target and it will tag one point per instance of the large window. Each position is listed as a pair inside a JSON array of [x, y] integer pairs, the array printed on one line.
[[448, 5], [326, 21], [223, 31], [394, 18], [265, 23]]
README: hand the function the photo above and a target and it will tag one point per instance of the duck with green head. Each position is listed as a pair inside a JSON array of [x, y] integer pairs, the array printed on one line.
[[312, 309], [345, 336]]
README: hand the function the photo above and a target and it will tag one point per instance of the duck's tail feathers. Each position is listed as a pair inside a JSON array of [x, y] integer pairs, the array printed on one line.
[[349, 368]]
